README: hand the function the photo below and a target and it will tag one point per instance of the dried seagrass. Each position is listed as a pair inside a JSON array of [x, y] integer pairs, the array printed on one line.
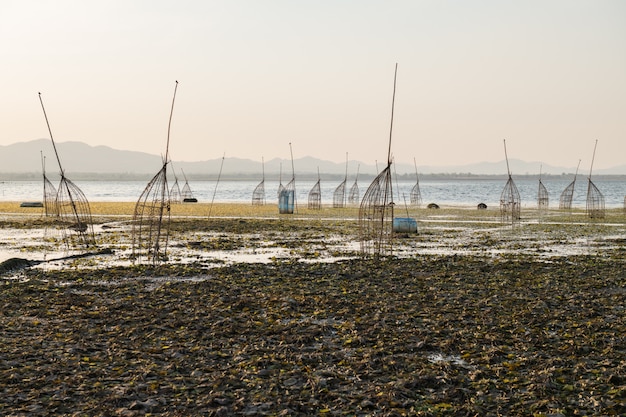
[[416, 195], [595, 199], [258, 195], [339, 196], [543, 198], [376, 209], [151, 218], [510, 205], [565, 201], [315, 195], [353, 197], [74, 213]]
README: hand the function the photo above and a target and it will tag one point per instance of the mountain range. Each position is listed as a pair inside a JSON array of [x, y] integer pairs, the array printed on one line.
[[28, 159]]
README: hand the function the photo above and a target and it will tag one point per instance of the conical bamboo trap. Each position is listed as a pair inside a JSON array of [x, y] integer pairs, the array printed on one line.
[[74, 213], [416, 194], [510, 204], [151, 217], [258, 195], [315, 195], [376, 209], [175, 194], [595, 199], [186, 193], [353, 196], [567, 196]]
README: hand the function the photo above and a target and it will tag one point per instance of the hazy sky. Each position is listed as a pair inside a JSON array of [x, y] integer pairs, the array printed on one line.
[[549, 76]]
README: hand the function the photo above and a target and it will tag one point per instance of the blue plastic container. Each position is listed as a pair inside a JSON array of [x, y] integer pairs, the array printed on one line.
[[286, 201], [404, 225]]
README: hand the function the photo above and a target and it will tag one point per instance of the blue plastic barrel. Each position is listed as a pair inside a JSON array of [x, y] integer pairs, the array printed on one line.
[[404, 225], [286, 201]]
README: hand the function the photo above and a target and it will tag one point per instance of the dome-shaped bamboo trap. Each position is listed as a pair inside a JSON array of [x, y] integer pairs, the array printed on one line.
[[567, 196], [353, 196], [416, 194], [510, 204], [73, 211], [186, 193], [258, 195], [151, 220], [315, 195], [376, 209], [175, 194], [151, 217], [339, 196]]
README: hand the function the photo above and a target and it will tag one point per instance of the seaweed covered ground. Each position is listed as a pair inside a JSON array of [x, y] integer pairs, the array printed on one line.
[[526, 321]]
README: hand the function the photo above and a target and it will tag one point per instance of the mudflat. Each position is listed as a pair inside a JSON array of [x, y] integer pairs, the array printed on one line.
[[259, 314]]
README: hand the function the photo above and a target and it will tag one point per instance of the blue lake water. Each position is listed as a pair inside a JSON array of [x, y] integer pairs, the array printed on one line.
[[443, 192]]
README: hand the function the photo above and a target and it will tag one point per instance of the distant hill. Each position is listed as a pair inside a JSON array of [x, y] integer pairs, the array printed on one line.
[[23, 159]]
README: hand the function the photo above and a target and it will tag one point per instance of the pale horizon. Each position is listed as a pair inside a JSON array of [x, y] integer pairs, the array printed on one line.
[[254, 76]]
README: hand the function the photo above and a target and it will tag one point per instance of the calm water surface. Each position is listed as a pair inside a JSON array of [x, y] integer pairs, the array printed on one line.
[[442, 192]]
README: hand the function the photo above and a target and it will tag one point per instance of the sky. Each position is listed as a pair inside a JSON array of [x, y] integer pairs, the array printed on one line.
[[255, 76]]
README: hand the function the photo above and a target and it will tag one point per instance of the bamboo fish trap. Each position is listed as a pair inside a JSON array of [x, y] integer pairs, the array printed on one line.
[[315, 195], [567, 196], [510, 205], [339, 196], [353, 197], [376, 209], [151, 217], [595, 199], [49, 193], [73, 211], [258, 195], [416, 195], [543, 198]]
